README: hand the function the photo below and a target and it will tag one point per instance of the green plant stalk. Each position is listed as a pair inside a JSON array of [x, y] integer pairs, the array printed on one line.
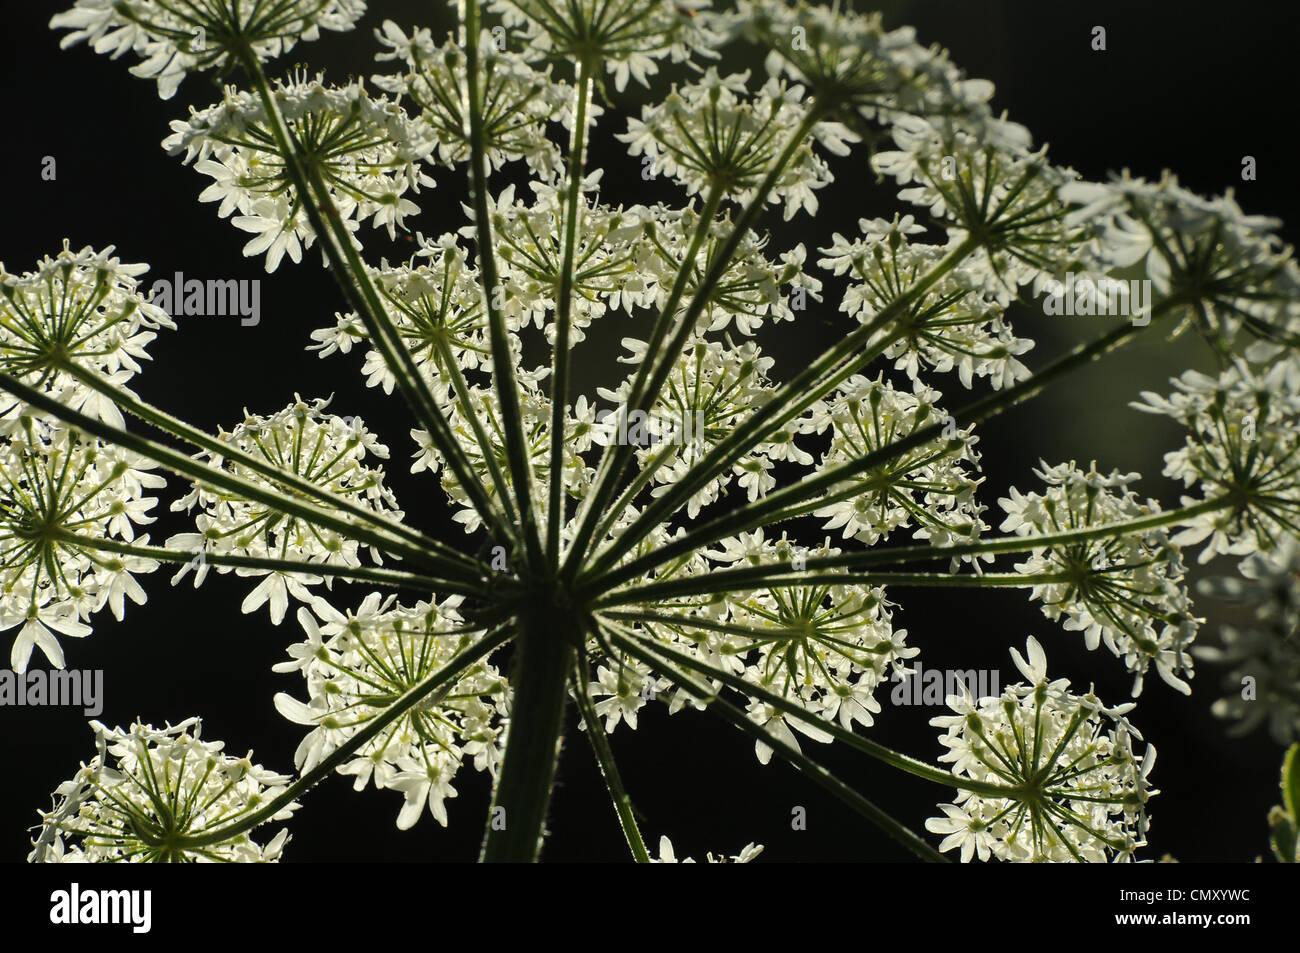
[[643, 399], [503, 372], [562, 359], [760, 513], [187, 466], [426, 691], [798, 760], [458, 383], [788, 401], [169, 424], [879, 752], [384, 577], [782, 574], [608, 767], [539, 678], [612, 463], [355, 284]]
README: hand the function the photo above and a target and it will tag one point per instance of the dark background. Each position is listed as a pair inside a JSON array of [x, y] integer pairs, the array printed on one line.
[[1192, 87]]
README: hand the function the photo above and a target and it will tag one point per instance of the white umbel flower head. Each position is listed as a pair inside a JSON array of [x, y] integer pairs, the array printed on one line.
[[1076, 787], [1124, 591], [156, 795], [177, 37]]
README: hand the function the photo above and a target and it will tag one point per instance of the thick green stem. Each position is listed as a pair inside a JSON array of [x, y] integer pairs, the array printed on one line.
[[540, 678]]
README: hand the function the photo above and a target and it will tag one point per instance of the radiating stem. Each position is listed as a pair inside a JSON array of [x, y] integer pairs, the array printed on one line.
[[426, 692], [608, 767]]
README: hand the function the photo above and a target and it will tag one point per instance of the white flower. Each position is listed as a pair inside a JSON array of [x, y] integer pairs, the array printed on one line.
[[147, 790], [176, 37], [1075, 788]]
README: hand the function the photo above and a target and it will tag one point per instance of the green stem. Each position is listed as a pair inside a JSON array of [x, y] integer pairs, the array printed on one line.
[[503, 372], [797, 759], [790, 399], [781, 574], [751, 515], [375, 574], [169, 424], [187, 466], [879, 752], [608, 767], [614, 460], [353, 280], [539, 679], [562, 359], [430, 690]]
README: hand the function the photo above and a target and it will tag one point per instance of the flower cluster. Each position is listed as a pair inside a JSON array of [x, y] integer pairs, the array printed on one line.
[[1241, 453], [716, 134], [161, 795], [519, 100], [1126, 591], [77, 313], [930, 487], [69, 507], [1223, 271], [358, 663], [325, 450], [1072, 787], [177, 37], [629, 36], [366, 151], [951, 326]]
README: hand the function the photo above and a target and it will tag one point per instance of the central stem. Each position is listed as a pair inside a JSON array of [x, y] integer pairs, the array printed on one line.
[[543, 661]]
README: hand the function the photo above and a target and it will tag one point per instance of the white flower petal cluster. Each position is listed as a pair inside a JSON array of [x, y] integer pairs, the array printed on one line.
[[64, 498], [1243, 450], [716, 133], [356, 664], [953, 326], [78, 310], [1262, 658], [1077, 787], [930, 487], [629, 36], [177, 37], [147, 790], [520, 100], [711, 388], [435, 302], [1125, 591], [851, 60], [1227, 271], [367, 150], [323, 449], [750, 292], [982, 182], [530, 250]]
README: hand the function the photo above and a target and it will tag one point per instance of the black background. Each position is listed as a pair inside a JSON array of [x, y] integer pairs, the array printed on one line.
[[1192, 87]]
